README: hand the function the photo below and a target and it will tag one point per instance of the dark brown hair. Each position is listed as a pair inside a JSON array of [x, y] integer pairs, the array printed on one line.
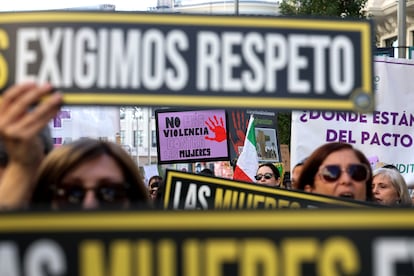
[[314, 161], [275, 171]]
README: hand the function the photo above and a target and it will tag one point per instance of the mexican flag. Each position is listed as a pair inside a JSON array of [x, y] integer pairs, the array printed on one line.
[[248, 161]]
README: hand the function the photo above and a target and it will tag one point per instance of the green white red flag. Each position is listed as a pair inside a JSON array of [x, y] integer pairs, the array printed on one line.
[[248, 161]]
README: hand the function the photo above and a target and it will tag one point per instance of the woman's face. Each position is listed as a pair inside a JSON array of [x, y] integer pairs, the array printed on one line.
[[267, 177], [345, 185], [93, 183], [295, 176], [383, 191], [153, 188]]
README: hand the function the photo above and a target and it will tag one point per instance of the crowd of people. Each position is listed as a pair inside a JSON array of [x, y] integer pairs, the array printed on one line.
[[87, 173], [339, 170], [90, 173]]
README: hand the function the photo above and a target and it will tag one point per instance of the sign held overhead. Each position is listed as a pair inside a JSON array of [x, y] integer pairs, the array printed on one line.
[[191, 60]]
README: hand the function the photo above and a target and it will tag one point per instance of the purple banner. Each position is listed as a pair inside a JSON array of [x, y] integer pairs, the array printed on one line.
[[189, 136]]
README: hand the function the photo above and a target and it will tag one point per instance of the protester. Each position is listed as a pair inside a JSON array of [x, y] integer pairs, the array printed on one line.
[[267, 174], [206, 172], [25, 110], [337, 169], [85, 174], [88, 174], [389, 188], [153, 186], [154, 179], [297, 169]]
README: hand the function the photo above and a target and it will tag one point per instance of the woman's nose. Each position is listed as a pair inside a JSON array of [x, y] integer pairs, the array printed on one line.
[[90, 201], [345, 178]]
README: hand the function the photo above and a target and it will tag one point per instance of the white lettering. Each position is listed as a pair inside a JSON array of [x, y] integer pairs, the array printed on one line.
[[24, 55], [45, 256], [275, 59], [9, 259], [342, 52], [208, 53], [297, 63], [253, 80], [178, 80], [230, 60], [387, 252]]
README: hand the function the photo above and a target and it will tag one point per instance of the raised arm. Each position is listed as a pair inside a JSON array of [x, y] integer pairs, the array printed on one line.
[[25, 109]]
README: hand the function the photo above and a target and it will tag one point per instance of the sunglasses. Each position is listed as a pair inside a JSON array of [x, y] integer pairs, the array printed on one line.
[[331, 173], [105, 194], [266, 176]]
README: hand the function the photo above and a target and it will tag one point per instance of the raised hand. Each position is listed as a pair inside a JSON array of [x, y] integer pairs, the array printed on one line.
[[218, 129], [24, 111]]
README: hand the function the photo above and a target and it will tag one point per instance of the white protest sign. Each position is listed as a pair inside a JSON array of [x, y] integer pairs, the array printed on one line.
[[74, 122], [386, 135]]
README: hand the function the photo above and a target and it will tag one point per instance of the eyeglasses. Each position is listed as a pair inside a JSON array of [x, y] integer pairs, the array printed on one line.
[[331, 173], [266, 176], [105, 193]]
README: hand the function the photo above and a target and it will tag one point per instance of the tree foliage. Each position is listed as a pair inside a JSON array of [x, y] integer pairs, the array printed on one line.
[[284, 125], [343, 8]]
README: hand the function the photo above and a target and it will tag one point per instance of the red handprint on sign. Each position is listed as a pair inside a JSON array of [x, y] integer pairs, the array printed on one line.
[[240, 125], [218, 129]]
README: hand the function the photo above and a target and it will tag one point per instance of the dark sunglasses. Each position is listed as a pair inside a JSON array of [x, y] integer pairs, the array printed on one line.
[[331, 173], [105, 194], [266, 176]]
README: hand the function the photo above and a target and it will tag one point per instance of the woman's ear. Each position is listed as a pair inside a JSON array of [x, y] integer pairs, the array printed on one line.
[[308, 188]]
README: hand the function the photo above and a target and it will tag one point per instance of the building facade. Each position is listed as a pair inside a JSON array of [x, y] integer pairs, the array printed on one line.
[[385, 15], [260, 7], [137, 134]]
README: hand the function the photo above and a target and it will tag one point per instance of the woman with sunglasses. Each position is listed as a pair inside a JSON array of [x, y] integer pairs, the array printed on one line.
[[88, 174], [267, 174], [337, 169], [389, 188]]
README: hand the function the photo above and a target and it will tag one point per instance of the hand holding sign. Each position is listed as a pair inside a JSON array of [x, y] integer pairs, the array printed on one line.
[[218, 129]]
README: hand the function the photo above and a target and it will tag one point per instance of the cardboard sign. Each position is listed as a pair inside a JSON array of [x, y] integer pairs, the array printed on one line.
[[191, 60], [267, 136], [367, 242], [192, 135], [186, 191]]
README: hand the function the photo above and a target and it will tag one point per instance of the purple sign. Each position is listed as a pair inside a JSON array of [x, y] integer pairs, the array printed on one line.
[[190, 136]]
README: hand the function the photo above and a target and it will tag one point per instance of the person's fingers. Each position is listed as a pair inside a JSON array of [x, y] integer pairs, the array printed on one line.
[[27, 100], [32, 122], [17, 104], [8, 99], [14, 92]]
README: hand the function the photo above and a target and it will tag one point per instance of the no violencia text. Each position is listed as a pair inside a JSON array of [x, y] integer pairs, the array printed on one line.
[[398, 120], [136, 54]]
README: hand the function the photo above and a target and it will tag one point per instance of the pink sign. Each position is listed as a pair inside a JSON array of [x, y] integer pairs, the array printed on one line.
[[190, 136]]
